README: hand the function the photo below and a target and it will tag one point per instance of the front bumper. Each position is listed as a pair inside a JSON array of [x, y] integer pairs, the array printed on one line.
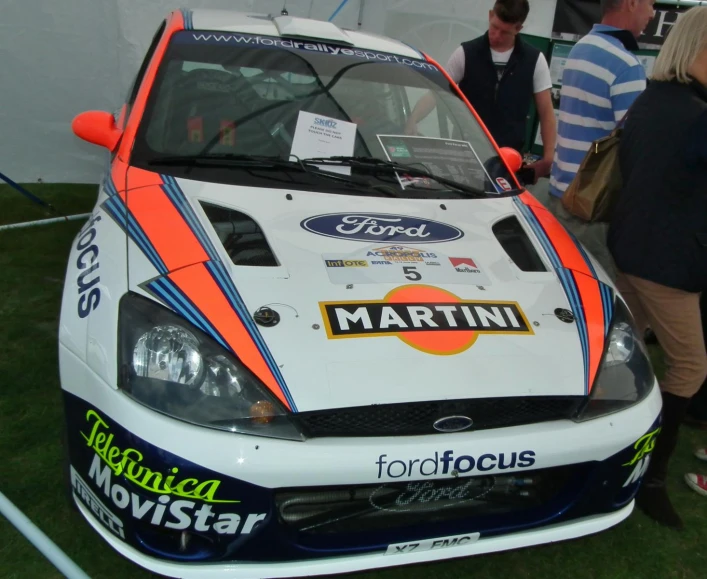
[[245, 570], [187, 501]]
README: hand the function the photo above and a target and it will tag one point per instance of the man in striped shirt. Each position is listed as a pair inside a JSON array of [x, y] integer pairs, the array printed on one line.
[[601, 80]]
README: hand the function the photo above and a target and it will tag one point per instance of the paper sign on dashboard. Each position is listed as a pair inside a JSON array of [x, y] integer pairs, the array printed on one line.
[[320, 136]]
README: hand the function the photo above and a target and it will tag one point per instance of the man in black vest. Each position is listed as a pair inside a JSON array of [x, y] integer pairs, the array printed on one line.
[[500, 75]]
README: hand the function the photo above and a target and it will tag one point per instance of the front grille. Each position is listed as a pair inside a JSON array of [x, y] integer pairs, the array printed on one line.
[[418, 418], [473, 501]]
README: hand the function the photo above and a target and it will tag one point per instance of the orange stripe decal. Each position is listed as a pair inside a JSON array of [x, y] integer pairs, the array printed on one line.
[[199, 286], [593, 306], [175, 23], [194, 282], [141, 178], [589, 299], [566, 248], [169, 234]]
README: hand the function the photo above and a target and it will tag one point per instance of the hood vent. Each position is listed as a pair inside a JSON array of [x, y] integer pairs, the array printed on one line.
[[240, 236], [512, 237]]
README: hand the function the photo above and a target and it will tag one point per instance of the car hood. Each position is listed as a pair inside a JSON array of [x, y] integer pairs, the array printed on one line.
[[354, 300]]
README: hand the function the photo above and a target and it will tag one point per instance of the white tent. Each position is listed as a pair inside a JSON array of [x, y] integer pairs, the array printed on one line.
[[59, 58]]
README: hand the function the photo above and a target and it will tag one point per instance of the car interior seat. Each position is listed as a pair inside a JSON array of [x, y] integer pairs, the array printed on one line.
[[216, 111]]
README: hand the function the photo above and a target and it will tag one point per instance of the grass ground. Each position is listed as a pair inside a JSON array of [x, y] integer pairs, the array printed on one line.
[[32, 264]]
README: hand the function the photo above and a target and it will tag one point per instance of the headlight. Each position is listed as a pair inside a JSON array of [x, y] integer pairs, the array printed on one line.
[[626, 375], [171, 366]]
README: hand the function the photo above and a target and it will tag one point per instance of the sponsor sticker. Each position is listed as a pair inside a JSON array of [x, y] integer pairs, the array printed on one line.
[[176, 501], [464, 265], [398, 150], [503, 184], [644, 446], [409, 264], [83, 492], [128, 462], [432, 544], [346, 263], [426, 318], [381, 227], [641, 459]]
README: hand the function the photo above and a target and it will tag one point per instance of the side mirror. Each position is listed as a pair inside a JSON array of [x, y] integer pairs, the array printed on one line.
[[97, 127], [512, 158]]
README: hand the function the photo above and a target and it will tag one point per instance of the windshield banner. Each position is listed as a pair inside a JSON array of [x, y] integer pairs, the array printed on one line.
[[189, 37]]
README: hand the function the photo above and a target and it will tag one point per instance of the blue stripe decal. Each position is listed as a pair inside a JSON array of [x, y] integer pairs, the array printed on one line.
[[187, 15], [604, 305], [223, 280], [577, 307], [225, 283], [117, 210], [173, 296], [117, 215], [167, 291], [160, 289], [138, 235], [590, 265], [109, 186], [607, 299], [566, 280], [540, 233], [179, 200]]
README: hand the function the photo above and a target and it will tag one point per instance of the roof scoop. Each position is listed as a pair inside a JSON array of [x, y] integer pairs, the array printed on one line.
[[294, 27]]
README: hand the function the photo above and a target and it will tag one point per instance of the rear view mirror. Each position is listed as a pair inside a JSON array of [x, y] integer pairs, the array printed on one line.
[[512, 158], [97, 127]]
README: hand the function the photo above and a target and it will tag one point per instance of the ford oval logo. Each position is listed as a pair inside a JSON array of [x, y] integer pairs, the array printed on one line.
[[381, 227], [453, 423]]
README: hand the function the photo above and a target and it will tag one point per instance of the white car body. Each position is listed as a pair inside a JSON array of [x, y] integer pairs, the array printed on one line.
[[146, 481]]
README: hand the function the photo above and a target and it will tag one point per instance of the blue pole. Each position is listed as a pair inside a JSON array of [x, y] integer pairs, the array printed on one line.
[[26, 193], [343, 3]]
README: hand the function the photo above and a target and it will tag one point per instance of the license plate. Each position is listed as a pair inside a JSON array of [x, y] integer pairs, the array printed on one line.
[[432, 544]]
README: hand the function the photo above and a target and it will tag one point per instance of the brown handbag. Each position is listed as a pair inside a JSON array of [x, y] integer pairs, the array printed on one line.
[[592, 193]]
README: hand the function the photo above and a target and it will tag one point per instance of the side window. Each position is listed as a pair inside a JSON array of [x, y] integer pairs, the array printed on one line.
[[132, 94]]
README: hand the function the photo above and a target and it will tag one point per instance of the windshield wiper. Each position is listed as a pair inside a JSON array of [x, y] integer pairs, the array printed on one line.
[[257, 161], [265, 162], [374, 164]]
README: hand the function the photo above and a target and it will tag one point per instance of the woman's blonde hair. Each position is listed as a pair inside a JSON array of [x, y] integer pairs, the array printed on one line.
[[684, 43]]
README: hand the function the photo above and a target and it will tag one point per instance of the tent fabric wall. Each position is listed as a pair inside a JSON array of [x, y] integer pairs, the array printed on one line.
[[61, 58]]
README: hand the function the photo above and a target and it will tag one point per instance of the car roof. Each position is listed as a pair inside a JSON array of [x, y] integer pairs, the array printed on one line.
[[293, 27]]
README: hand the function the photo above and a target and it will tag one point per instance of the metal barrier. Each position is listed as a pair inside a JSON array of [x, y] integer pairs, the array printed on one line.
[[44, 544], [43, 221]]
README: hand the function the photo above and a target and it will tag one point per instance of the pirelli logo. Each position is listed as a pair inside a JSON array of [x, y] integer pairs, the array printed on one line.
[[425, 317]]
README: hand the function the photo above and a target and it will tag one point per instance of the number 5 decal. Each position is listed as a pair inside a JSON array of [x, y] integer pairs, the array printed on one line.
[[411, 273]]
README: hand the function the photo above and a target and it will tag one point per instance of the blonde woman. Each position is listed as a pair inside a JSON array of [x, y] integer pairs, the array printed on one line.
[[658, 233]]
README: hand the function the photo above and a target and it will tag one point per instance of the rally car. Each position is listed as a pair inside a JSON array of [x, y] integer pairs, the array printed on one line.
[[299, 337]]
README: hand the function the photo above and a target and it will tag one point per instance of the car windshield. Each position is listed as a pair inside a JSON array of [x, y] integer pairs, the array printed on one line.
[[221, 100]]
